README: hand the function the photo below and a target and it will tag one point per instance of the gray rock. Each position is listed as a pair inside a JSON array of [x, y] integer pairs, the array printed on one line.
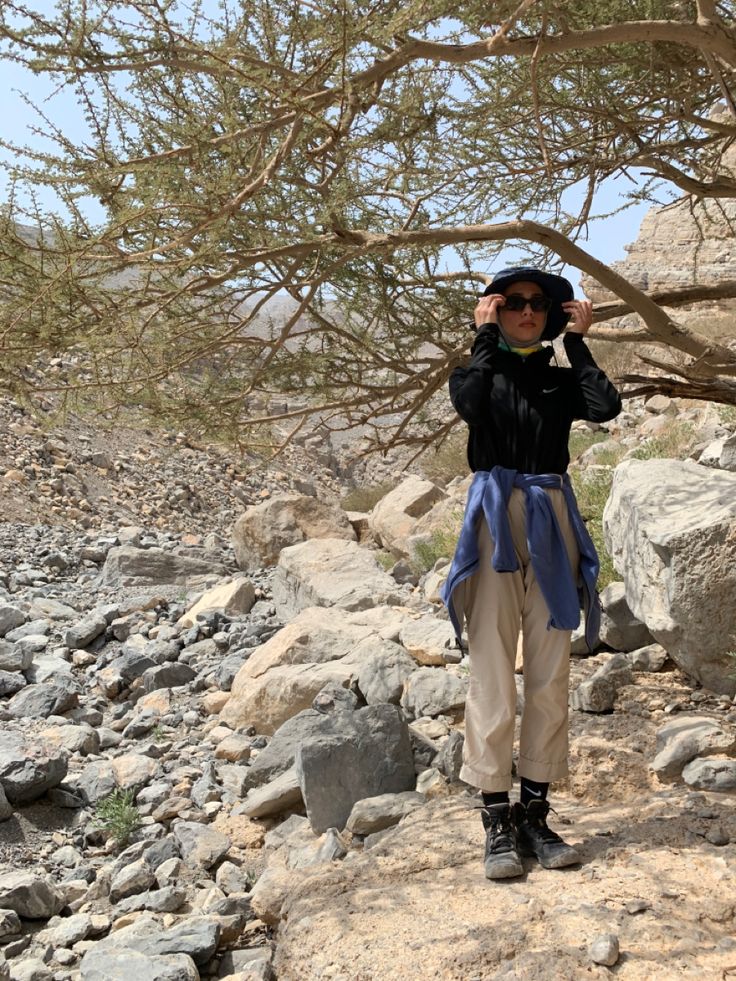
[[31, 969], [130, 566], [11, 682], [620, 629], [167, 676], [684, 738], [278, 795], [48, 667], [10, 925], [206, 789], [598, 693], [331, 572], [28, 768], [82, 740], [6, 808], [68, 931], [433, 691], [376, 813], [41, 701], [334, 697], [95, 782], [162, 651], [424, 749], [38, 627], [10, 618], [384, 670], [286, 519], [248, 964], [708, 774], [604, 949], [13, 657], [450, 757], [200, 844], [134, 878], [367, 753], [167, 899], [727, 460], [161, 851], [668, 527], [85, 631], [650, 658], [194, 939], [131, 664], [30, 894], [122, 965], [280, 753], [228, 668], [230, 878]]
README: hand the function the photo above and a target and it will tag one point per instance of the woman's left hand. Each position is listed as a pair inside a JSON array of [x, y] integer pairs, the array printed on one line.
[[581, 312]]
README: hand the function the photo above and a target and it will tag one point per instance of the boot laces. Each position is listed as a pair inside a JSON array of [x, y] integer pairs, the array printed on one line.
[[500, 830], [538, 821]]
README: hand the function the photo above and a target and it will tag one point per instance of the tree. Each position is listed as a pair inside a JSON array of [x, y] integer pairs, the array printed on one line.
[[345, 155]]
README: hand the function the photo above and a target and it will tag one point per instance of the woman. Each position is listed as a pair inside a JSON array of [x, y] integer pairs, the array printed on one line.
[[524, 558]]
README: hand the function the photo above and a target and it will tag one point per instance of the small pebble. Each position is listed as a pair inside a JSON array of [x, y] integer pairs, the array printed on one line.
[[717, 836], [637, 906], [604, 949]]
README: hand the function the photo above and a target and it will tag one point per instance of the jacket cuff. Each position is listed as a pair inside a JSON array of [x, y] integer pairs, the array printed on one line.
[[577, 350], [484, 346]]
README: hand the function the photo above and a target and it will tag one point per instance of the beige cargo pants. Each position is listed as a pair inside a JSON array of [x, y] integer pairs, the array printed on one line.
[[496, 605]]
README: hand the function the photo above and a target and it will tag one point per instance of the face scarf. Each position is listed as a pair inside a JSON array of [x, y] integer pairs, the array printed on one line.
[[522, 351]]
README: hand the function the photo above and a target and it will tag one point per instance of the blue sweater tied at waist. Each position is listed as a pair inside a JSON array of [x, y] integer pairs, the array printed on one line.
[[489, 495]]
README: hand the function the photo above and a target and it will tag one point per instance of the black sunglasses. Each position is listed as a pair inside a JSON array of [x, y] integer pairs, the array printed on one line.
[[516, 303]]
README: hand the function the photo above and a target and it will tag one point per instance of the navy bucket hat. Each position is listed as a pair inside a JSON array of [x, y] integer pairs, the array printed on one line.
[[557, 288]]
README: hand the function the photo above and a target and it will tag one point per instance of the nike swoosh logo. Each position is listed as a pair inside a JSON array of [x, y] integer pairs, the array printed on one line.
[[536, 793], [546, 391]]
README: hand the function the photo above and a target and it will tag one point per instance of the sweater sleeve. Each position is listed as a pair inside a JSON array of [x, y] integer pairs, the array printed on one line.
[[595, 398], [469, 386]]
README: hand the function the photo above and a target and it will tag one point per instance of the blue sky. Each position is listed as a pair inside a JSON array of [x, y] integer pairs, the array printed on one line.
[[20, 126]]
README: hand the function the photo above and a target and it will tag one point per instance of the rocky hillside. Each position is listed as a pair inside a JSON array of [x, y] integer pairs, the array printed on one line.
[[232, 719]]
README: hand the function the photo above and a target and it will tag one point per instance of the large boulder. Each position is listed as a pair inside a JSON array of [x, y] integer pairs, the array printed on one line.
[[394, 519], [233, 597], [282, 677], [330, 572], [126, 565], [363, 754], [261, 533], [670, 528]]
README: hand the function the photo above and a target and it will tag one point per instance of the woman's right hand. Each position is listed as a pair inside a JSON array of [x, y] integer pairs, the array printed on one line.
[[486, 311]]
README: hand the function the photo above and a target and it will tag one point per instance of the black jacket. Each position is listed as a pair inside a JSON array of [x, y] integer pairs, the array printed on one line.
[[519, 410]]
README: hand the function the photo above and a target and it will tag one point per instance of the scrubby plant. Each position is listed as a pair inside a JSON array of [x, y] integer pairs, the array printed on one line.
[[592, 489], [582, 439], [449, 461], [440, 544], [365, 498], [385, 559], [674, 443], [118, 816]]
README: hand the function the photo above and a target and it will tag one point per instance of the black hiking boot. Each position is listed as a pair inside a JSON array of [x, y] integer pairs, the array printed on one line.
[[501, 858], [535, 838]]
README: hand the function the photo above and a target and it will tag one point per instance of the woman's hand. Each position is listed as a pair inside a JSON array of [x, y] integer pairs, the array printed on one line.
[[487, 310], [581, 312]]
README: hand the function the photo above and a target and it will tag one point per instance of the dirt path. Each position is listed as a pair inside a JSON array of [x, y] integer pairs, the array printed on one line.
[[418, 906]]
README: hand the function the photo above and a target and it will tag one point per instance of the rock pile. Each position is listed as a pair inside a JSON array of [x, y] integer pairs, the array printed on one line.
[[212, 766]]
